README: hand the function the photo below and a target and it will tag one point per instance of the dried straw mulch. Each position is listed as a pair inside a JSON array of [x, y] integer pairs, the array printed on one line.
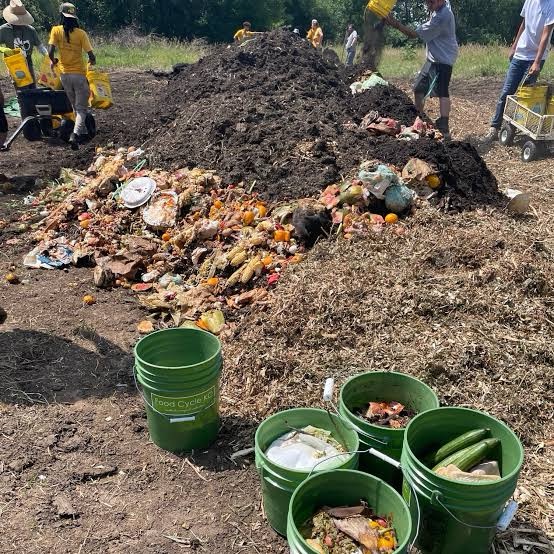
[[464, 302]]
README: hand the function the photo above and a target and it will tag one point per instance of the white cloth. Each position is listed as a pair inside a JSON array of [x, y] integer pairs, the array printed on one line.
[[352, 40], [537, 14]]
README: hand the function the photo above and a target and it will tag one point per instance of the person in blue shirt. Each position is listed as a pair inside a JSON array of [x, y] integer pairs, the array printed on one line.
[[439, 35], [527, 55]]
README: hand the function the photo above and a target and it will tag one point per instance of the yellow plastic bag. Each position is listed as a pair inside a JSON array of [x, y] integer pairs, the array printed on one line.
[[48, 77], [18, 68], [100, 89]]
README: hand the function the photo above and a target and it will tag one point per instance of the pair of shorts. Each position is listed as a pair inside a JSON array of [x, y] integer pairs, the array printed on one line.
[[434, 80]]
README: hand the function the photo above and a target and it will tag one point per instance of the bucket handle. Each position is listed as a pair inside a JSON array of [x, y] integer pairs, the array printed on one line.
[[522, 83], [436, 499], [172, 419]]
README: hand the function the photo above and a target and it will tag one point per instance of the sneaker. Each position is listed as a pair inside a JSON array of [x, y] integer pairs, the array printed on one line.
[[492, 135], [442, 124], [74, 142]]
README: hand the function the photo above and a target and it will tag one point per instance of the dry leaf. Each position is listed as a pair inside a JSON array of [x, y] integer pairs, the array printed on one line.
[[145, 327]]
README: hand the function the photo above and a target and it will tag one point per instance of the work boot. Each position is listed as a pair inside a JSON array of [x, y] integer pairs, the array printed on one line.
[[491, 136], [442, 124], [74, 142]]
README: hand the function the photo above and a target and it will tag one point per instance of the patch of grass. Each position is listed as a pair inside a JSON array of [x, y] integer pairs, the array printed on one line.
[[146, 52], [127, 50], [475, 61]]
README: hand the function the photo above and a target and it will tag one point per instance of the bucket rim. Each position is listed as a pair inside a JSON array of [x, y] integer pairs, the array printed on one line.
[[178, 329], [300, 472], [491, 484], [391, 489], [359, 420]]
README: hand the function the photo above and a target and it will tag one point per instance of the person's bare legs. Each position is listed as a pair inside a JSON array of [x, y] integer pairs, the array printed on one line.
[[445, 107]]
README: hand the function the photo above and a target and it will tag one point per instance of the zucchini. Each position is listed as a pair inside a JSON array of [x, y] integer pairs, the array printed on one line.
[[457, 444], [471, 456]]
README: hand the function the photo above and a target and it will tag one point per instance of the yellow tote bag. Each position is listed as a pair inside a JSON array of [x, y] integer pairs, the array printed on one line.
[[47, 77], [18, 68], [100, 89]]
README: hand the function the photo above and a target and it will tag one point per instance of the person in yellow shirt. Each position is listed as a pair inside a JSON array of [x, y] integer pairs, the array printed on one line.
[[315, 34], [245, 33], [71, 41]]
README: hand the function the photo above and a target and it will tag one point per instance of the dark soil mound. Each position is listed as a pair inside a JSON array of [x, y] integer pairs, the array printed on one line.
[[388, 101], [273, 111], [467, 177]]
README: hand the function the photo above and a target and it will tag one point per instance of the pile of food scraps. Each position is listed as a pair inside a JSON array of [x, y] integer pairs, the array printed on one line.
[[350, 530], [195, 252], [388, 414], [192, 248]]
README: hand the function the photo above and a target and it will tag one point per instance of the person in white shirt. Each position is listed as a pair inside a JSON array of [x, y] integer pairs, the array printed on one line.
[[527, 54], [350, 45]]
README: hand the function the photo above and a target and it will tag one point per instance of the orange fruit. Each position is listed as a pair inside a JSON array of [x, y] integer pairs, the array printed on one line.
[[166, 237], [434, 181], [262, 210], [212, 282], [248, 217], [218, 204], [279, 235], [85, 223], [268, 260], [391, 219]]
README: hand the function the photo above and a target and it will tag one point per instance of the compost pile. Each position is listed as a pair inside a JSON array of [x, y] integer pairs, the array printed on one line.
[[274, 114]]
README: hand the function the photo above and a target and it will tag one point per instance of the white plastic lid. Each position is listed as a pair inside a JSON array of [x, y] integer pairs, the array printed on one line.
[[138, 191]]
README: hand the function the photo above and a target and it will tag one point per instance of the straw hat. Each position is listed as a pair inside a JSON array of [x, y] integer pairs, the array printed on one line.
[[16, 14], [68, 10]]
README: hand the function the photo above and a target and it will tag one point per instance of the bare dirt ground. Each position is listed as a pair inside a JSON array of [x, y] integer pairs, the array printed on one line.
[[470, 310]]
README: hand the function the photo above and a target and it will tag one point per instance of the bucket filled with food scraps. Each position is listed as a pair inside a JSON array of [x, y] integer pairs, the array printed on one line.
[[380, 405], [463, 465], [293, 444], [347, 512]]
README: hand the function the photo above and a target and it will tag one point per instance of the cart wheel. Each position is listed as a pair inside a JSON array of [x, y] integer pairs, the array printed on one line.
[[530, 151], [32, 131], [507, 135]]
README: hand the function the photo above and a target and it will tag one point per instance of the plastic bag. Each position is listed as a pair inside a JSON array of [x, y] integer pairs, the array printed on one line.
[[378, 181], [100, 89], [303, 451], [48, 77]]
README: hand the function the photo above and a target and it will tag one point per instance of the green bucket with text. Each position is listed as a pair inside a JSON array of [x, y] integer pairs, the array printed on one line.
[[178, 371]]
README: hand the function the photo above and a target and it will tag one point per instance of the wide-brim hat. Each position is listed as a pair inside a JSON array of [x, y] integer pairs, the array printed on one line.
[[16, 14], [68, 10]]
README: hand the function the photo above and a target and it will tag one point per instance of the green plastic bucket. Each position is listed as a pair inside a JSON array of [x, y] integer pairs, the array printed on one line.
[[376, 386], [278, 482], [457, 517], [345, 488], [178, 370]]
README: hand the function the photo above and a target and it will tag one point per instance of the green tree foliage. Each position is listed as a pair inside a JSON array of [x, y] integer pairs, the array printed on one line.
[[217, 20]]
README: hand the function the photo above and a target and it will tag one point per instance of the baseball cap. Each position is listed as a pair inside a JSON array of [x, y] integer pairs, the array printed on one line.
[[68, 10]]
